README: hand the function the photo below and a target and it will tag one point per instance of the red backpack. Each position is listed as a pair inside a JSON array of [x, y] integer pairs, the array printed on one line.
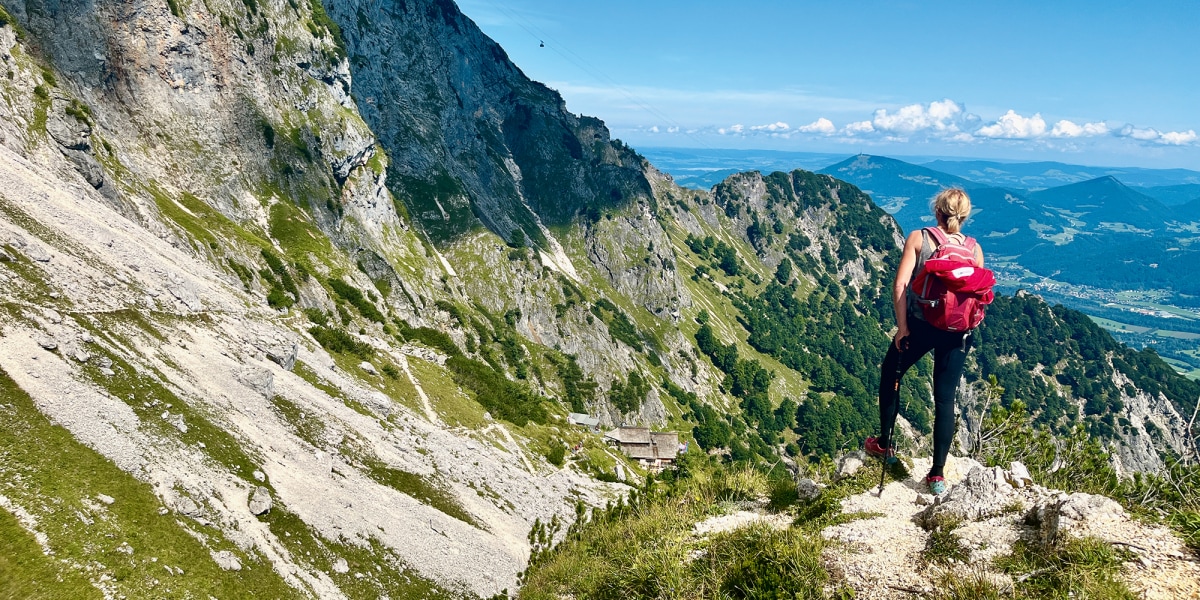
[[950, 289]]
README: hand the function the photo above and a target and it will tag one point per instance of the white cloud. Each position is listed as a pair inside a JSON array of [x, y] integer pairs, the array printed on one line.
[[941, 116], [731, 129], [1178, 138], [654, 129], [777, 126], [858, 127], [1150, 134], [821, 125], [672, 129], [1014, 126], [1146, 135], [1069, 129]]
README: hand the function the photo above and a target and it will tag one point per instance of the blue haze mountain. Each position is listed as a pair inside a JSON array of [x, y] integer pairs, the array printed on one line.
[[1048, 174]]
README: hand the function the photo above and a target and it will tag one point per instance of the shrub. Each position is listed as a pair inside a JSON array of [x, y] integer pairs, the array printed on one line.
[[356, 299], [337, 340], [557, 454]]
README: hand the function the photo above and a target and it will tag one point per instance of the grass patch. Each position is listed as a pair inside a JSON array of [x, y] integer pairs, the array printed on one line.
[[297, 234], [1080, 568], [944, 547], [57, 478], [375, 571], [644, 548], [432, 494], [454, 407], [307, 426], [25, 572]]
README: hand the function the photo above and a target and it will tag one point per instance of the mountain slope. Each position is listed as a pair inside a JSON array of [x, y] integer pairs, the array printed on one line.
[[325, 319], [1105, 204]]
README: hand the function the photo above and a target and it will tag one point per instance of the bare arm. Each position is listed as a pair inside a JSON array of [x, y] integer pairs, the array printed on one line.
[[908, 260], [978, 256]]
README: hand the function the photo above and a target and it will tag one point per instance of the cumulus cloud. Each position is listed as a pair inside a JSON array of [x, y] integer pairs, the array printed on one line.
[[1178, 138], [1149, 134], [1014, 126], [939, 116], [654, 129], [1069, 129], [731, 129], [777, 126], [822, 125], [858, 127]]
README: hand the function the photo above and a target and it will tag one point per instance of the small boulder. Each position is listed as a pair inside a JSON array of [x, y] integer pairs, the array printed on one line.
[[260, 501], [1078, 514], [187, 506], [849, 464], [341, 566], [227, 560], [283, 355], [48, 343], [1018, 475], [808, 489], [108, 500], [257, 379], [368, 367]]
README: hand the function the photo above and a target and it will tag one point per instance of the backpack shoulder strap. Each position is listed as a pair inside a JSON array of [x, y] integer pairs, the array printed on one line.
[[937, 234]]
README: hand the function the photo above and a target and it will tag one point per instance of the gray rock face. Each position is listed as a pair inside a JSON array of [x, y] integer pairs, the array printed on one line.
[[1077, 513], [984, 493], [469, 122]]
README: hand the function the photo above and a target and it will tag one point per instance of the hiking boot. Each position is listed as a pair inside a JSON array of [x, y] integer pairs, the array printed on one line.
[[887, 455], [937, 484]]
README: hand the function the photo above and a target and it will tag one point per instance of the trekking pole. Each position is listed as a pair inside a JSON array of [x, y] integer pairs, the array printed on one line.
[[895, 415]]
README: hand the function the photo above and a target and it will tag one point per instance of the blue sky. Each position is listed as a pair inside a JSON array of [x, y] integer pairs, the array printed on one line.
[[1102, 83]]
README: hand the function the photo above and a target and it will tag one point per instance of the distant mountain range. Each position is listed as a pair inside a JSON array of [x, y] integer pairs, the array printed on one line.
[[1047, 174], [704, 168], [1107, 228]]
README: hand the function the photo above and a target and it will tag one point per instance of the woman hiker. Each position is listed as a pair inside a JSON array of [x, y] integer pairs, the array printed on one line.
[[915, 338]]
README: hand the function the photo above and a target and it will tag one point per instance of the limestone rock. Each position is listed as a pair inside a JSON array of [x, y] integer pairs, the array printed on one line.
[[1018, 475], [187, 506], [260, 501], [1077, 514], [983, 493], [227, 560], [808, 489], [341, 566], [849, 464], [257, 379], [283, 355]]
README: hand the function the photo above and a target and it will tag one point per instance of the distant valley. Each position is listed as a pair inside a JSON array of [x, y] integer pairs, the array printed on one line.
[[1116, 243]]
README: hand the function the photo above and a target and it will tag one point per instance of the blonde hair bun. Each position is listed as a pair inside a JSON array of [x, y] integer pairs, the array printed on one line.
[[952, 206]]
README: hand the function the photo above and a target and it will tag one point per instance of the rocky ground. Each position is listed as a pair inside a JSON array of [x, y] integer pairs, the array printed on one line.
[[880, 557]]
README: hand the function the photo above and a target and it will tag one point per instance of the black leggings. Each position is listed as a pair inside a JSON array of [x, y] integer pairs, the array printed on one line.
[[949, 354]]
